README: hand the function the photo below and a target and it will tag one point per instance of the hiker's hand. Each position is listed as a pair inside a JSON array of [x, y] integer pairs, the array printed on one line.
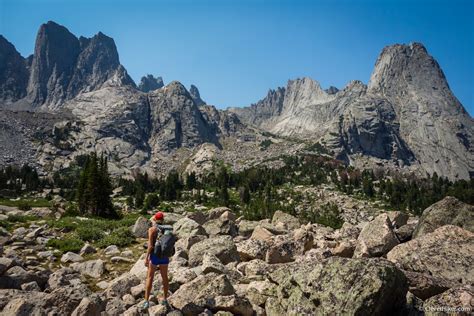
[[147, 261]]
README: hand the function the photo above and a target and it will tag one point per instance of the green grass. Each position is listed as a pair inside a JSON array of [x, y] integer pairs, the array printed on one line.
[[66, 243], [98, 231], [120, 237], [25, 202]]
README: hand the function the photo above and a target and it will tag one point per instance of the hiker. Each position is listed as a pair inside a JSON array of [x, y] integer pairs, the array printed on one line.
[[160, 248]]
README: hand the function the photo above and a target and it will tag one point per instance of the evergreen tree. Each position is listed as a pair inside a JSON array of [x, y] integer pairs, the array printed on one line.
[[94, 188]]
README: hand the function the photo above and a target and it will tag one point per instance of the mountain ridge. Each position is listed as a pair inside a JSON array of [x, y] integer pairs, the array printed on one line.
[[405, 117]]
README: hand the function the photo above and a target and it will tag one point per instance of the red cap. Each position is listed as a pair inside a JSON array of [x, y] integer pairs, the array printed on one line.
[[159, 216]]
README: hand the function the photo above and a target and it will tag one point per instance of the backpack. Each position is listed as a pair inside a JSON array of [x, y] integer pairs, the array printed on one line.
[[164, 246]]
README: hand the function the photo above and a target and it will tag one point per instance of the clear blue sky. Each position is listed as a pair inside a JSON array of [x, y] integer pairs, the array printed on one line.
[[234, 51]]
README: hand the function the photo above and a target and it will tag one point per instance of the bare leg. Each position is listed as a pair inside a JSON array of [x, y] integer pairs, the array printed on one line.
[[164, 277], [149, 280]]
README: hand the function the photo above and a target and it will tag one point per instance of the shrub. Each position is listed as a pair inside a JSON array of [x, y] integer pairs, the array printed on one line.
[[20, 218], [24, 205], [89, 233], [120, 237], [67, 243], [65, 223], [330, 215]]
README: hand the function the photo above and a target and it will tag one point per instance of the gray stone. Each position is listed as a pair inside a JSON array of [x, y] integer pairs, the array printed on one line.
[[445, 253], [222, 247], [448, 211], [140, 229], [92, 268], [376, 238], [71, 257]]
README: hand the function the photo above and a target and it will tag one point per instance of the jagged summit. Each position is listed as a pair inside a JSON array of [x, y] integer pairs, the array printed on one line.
[[62, 66], [13, 73], [406, 114], [149, 83], [194, 91]]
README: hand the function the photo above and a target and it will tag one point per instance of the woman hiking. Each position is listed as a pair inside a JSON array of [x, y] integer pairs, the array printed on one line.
[[154, 259]]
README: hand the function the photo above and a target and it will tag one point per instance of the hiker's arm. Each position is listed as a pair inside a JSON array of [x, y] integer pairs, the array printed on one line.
[[149, 249]]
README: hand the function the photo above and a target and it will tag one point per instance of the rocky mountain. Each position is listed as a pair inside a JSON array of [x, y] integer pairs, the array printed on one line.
[[62, 66], [407, 116], [13, 73], [194, 92], [149, 83]]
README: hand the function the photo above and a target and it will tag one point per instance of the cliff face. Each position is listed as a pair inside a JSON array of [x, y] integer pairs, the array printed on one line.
[[432, 121], [61, 67], [13, 73], [407, 115]]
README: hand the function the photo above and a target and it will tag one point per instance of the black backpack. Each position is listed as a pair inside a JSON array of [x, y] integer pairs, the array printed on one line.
[[164, 246]]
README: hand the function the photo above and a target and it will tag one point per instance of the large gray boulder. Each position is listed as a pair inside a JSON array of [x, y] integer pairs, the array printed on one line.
[[121, 285], [459, 300], [220, 226], [193, 297], [186, 227], [140, 228], [337, 286], [445, 253], [376, 238], [448, 211], [92, 268], [223, 247], [289, 221]]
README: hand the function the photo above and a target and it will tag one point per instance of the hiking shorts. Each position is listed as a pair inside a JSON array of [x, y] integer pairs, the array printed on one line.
[[158, 261]]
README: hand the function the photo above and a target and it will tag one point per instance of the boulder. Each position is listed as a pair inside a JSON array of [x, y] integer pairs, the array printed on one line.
[[281, 252], [18, 307], [62, 277], [92, 268], [194, 297], [261, 233], [71, 257], [445, 253], [289, 221], [90, 306], [210, 264], [246, 227], [111, 250], [425, 286], [121, 285], [448, 211], [456, 301], [222, 247], [115, 306], [405, 232], [228, 216], [337, 286], [376, 238], [397, 218], [5, 264], [197, 216], [219, 226], [217, 212], [252, 249], [30, 286], [344, 249], [187, 227], [16, 276], [186, 243], [140, 228], [234, 304], [139, 269], [171, 218], [157, 310]]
